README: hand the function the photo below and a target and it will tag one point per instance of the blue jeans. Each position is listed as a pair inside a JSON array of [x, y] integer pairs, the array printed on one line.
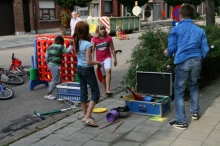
[[186, 71], [86, 76]]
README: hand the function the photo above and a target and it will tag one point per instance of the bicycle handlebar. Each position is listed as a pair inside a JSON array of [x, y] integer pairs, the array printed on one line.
[[12, 57]]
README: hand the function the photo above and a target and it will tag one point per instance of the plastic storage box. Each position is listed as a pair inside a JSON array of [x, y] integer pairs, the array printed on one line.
[[70, 91]]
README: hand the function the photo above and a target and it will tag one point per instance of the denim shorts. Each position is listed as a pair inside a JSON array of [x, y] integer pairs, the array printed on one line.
[[86, 77]]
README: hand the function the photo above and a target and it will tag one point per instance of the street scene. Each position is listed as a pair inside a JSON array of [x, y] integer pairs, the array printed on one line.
[[146, 114]]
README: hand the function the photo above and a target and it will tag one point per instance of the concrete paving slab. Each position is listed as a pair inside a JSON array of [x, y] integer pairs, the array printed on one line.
[[165, 135], [215, 133], [215, 104], [126, 143], [41, 144], [218, 126], [211, 141], [194, 126], [204, 120], [68, 130], [137, 136], [56, 126], [81, 137], [186, 142], [122, 130], [41, 134], [25, 141], [108, 137], [155, 123], [67, 143], [194, 135], [146, 129], [96, 143], [156, 142], [212, 114], [53, 139]]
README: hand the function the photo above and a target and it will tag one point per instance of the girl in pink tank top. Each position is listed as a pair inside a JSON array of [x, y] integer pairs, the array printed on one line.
[[102, 45]]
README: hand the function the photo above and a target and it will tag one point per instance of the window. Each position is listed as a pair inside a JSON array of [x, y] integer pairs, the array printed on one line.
[[83, 11], [47, 10], [108, 6]]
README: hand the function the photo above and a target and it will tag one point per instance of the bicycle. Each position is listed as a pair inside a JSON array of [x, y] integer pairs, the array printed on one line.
[[5, 92], [17, 68], [10, 79]]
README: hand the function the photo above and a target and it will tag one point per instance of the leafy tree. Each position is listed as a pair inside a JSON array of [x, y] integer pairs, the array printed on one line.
[[179, 2], [210, 12], [70, 4], [131, 3], [174, 2]]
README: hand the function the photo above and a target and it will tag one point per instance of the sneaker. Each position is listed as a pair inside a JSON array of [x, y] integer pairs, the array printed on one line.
[[51, 97], [195, 116], [178, 125]]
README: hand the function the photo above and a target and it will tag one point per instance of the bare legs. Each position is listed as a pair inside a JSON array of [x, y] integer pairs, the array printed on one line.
[[107, 80], [87, 111]]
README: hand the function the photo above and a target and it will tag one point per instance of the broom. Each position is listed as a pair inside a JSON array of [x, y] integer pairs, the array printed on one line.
[[136, 96], [57, 111], [158, 34]]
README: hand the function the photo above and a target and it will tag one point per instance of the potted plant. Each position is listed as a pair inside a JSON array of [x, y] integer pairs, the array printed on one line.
[[52, 17], [64, 18], [45, 17]]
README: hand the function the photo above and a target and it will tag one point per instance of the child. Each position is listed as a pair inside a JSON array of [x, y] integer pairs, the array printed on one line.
[[85, 71], [54, 60], [103, 45], [189, 44]]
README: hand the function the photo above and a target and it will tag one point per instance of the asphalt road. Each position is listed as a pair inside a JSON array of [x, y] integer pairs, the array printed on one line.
[[17, 113]]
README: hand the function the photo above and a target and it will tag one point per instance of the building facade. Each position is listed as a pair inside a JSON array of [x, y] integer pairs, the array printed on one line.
[[42, 16], [25, 16]]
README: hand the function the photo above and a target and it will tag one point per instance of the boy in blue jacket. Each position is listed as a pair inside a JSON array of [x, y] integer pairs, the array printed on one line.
[[188, 43]]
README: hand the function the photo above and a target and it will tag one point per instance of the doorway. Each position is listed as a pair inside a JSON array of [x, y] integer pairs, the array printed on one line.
[[27, 27], [7, 26]]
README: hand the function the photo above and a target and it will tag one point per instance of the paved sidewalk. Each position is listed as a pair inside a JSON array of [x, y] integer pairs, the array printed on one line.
[[15, 41], [137, 130]]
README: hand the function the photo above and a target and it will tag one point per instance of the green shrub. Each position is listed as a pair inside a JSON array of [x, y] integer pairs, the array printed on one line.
[[148, 55], [211, 65]]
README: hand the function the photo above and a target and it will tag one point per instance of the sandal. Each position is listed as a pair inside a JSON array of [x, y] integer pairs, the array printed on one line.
[[104, 94], [109, 94], [90, 122]]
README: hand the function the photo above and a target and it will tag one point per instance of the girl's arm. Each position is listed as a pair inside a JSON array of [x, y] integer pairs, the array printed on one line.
[[93, 50], [89, 61], [70, 48], [113, 53]]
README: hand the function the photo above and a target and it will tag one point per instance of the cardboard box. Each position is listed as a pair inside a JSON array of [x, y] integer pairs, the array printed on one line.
[[157, 85]]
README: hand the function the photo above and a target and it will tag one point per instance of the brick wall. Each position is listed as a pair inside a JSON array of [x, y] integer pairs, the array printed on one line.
[[31, 14], [114, 9], [47, 24], [18, 16]]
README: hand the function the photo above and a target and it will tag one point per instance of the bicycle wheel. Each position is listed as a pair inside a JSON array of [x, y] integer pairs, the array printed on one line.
[[26, 69], [6, 93], [13, 80]]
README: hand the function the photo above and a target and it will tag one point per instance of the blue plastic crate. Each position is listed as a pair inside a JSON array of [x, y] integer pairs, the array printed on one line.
[[69, 90], [71, 97], [74, 84]]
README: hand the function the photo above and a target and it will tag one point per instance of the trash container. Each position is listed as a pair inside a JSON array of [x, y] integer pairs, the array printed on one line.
[[127, 24]]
